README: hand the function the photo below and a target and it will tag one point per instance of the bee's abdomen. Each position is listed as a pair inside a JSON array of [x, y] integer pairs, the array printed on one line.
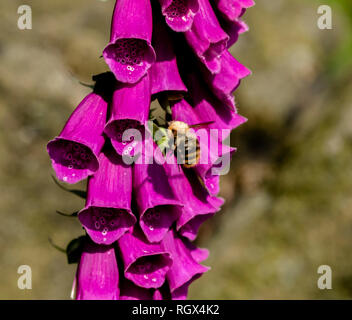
[[187, 150]]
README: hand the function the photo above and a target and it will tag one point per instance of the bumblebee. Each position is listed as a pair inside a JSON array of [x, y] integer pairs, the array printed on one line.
[[185, 142]]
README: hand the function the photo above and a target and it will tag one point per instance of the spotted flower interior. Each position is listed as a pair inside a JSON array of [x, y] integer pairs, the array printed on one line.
[[124, 145], [129, 58], [105, 225], [179, 14]]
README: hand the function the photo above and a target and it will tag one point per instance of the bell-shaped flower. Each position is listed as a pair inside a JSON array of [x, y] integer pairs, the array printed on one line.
[[206, 37], [145, 264], [74, 152], [157, 204], [129, 53], [97, 276], [179, 14], [184, 269], [107, 214], [129, 114]]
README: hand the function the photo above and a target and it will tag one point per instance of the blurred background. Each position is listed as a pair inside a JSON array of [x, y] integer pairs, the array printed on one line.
[[289, 192]]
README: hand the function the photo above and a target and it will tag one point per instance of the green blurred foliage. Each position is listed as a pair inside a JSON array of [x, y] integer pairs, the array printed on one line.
[[288, 207]]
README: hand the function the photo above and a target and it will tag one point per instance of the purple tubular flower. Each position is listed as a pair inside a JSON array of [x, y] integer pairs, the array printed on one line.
[[129, 110], [97, 275], [107, 215], [190, 222], [129, 53], [233, 9], [214, 155], [157, 204], [209, 108], [129, 291], [198, 204], [74, 152], [179, 14], [164, 75], [206, 37], [145, 264], [184, 270]]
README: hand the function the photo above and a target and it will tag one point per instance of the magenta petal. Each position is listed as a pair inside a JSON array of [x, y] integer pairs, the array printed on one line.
[[129, 291], [234, 29], [74, 152], [145, 264], [189, 225], [218, 159], [164, 75], [129, 110], [107, 215], [129, 53], [156, 202], [184, 269], [206, 37], [198, 254], [233, 9], [179, 14], [157, 295], [97, 274]]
